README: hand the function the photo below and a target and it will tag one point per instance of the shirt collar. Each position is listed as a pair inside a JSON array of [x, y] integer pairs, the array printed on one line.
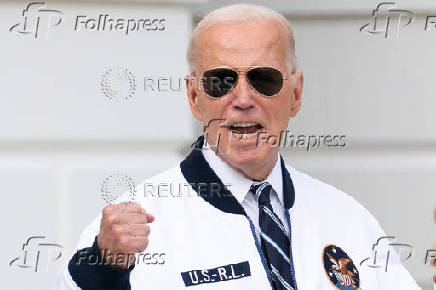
[[237, 183]]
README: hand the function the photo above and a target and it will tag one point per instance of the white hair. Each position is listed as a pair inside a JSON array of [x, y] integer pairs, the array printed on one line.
[[238, 13]]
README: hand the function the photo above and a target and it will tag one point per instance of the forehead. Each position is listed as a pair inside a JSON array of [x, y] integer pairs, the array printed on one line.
[[255, 42]]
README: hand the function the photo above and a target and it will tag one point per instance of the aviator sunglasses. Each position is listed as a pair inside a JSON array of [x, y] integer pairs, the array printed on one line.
[[220, 81]]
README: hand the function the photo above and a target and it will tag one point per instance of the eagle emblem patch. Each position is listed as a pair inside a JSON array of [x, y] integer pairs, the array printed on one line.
[[340, 269]]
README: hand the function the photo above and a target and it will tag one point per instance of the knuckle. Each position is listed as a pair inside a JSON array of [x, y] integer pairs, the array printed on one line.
[[147, 230], [143, 219], [112, 219], [118, 239], [116, 229], [143, 246], [106, 210], [123, 242]]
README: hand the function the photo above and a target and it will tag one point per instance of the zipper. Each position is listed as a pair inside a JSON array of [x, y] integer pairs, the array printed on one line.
[[259, 250]]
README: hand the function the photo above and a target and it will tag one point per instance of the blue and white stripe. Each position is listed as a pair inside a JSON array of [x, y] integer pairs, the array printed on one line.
[[259, 190], [275, 219], [274, 244], [280, 278]]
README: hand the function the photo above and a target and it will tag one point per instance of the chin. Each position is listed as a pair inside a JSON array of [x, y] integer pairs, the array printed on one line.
[[243, 157]]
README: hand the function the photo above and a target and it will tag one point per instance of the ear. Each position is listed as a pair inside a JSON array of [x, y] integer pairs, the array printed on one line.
[[297, 93], [192, 92]]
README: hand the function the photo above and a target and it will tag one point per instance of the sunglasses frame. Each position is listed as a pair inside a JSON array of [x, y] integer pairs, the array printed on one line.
[[245, 70]]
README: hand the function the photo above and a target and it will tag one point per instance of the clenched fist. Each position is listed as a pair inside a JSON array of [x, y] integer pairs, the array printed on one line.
[[124, 232]]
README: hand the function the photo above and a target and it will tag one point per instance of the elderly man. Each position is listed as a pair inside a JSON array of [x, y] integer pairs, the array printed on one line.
[[255, 223]]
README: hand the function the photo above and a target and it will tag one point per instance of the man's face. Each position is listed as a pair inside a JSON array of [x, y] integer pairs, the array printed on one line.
[[253, 43]]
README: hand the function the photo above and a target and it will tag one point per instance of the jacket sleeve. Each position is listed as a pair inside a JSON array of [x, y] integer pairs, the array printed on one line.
[[394, 275], [86, 268]]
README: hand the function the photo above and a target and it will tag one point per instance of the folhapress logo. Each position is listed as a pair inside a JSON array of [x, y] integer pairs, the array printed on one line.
[[37, 254], [387, 20], [38, 20], [104, 22]]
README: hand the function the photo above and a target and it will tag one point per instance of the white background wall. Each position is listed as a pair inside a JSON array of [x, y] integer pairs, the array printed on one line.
[[60, 137]]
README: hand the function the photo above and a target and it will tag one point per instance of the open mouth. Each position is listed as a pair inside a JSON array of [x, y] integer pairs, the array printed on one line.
[[244, 130]]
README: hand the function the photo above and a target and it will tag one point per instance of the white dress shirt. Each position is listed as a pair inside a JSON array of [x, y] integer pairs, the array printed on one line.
[[240, 185]]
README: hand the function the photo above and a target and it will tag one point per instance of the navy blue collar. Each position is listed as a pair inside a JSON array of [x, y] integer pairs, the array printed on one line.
[[209, 186]]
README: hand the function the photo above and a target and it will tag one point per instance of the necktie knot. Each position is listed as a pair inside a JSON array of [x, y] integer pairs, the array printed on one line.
[[262, 192]]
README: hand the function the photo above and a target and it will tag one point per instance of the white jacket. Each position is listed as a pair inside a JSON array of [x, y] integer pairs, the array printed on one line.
[[207, 242]]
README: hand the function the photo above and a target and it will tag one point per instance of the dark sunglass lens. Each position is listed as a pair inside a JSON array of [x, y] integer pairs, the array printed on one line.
[[219, 81], [266, 80]]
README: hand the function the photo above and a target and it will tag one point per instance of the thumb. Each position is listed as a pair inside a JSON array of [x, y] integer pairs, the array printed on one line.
[[150, 217]]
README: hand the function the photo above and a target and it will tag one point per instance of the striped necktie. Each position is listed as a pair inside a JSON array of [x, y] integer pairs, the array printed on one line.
[[274, 241]]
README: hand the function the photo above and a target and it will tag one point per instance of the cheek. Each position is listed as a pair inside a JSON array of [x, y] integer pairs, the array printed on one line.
[[205, 109], [211, 109], [281, 112], [283, 121]]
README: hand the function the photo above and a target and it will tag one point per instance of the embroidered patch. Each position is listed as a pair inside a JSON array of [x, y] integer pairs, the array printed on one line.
[[340, 269], [218, 274]]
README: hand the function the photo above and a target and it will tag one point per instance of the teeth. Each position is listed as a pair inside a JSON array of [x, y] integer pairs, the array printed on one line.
[[244, 124], [243, 136]]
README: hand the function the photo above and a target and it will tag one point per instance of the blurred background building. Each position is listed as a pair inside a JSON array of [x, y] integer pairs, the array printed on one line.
[[61, 136]]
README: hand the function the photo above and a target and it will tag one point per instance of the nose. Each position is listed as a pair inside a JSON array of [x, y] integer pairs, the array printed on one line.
[[243, 94]]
